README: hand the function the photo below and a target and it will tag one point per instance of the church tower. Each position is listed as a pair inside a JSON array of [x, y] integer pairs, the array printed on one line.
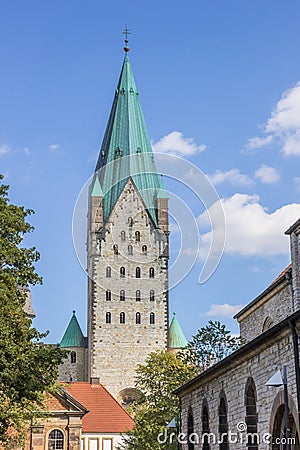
[[127, 248]]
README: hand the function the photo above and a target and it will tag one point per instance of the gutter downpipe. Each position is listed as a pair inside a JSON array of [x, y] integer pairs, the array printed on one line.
[[295, 339]]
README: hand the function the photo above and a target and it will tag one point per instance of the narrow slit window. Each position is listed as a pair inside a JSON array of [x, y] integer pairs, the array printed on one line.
[[123, 236], [108, 272], [151, 272], [122, 295], [138, 318], [108, 295], [73, 357], [138, 272], [122, 272], [138, 296], [137, 236], [130, 250], [144, 249], [116, 249], [122, 317], [108, 317], [152, 296], [152, 318]]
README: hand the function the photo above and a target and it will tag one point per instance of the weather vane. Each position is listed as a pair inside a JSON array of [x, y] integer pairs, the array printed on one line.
[[126, 32]]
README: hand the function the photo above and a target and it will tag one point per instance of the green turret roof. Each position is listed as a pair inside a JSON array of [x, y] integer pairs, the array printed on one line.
[[126, 149], [73, 336], [176, 337]]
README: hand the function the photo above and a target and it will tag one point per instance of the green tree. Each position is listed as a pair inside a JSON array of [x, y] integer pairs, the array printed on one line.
[[156, 380], [211, 344], [28, 368]]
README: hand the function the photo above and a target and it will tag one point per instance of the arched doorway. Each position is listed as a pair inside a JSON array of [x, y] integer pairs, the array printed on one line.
[[277, 423]]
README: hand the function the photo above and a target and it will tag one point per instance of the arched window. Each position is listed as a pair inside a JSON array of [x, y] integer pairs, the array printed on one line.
[[268, 323], [152, 295], [152, 318], [137, 236], [144, 249], [205, 426], [122, 272], [130, 250], [108, 295], [123, 236], [223, 423], [151, 272], [108, 317], [56, 440], [122, 317], [122, 295], [73, 357], [108, 272], [138, 272], [190, 427], [116, 249], [130, 221], [138, 318], [138, 296], [251, 414]]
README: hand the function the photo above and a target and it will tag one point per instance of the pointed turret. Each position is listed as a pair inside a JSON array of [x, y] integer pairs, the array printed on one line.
[[126, 149], [177, 339], [73, 336]]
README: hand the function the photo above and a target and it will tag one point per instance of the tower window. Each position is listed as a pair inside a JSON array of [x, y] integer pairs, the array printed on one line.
[[138, 318], [123, 236], [137, 236], [122, 295], [144, 249], [108, 295], [108, 272], [116, 249], [56, 440], [138, 272], [151, 272], [73, 357], [152, 318], [130, 250], [108, 317], [130, 221], [122, 317], [122, 272], [152, 296], [138, 296]]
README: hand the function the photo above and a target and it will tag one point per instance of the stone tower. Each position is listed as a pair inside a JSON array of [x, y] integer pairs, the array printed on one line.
[[127, 248], [73, 367]]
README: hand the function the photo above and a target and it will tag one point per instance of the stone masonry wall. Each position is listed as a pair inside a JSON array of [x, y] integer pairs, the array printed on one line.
[[232, 383], [276, 307], [76, 371], [116, 349]]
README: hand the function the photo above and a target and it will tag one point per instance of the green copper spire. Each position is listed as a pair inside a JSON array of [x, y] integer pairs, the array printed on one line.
[[126, 149], [176, 337], [73, 336]]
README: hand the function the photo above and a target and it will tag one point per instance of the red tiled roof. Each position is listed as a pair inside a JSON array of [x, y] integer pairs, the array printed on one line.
[[105, 414]]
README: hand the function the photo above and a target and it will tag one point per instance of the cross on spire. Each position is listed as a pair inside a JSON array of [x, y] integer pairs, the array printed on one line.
[[126, 32]]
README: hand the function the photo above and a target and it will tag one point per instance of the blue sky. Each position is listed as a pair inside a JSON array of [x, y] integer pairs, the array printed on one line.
[[218, 87]]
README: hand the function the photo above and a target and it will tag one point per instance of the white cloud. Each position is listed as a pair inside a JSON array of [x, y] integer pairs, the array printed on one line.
[[176, 144], [233, 176], [250, 229], [54, 147], [27, 151], [4, 149], [267, 174], [284, 124], [225, 310]]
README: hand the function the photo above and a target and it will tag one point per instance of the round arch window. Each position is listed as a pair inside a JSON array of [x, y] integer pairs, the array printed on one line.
[[55, 440]]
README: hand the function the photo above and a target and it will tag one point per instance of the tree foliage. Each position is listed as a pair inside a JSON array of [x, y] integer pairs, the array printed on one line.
[[211, 344], [27, 367], [157, 379]]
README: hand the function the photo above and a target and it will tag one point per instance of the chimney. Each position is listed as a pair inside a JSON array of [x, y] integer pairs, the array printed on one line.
[[294, 233], [95, 380]]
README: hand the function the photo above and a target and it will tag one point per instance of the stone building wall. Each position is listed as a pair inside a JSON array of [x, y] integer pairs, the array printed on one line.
[[116, 349], [270, 310], [231, 381], [73, 371]]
